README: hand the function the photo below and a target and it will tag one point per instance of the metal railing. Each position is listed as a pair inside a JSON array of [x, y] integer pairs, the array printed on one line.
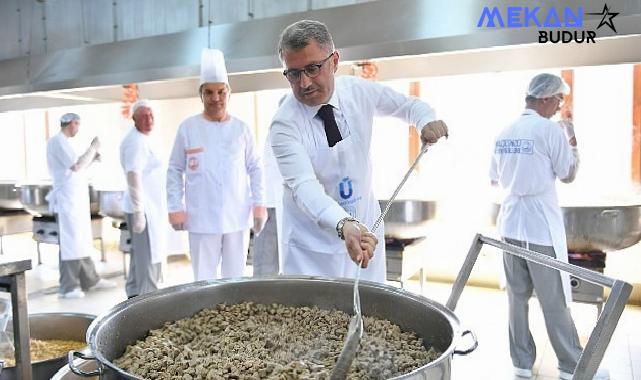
[[600, 337]]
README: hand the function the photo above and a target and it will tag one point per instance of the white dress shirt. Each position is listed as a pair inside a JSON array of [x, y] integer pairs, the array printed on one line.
[[529, 156], [297, 132]]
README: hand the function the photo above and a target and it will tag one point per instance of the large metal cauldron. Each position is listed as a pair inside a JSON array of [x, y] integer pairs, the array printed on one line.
[[111, 203], [47, 326], [131, 320], [408, 219], [65, 372], [9, 196], [598, 228], [33, 197]]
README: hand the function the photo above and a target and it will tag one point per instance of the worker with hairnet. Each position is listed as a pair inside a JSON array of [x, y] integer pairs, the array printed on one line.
[[215, 179], [529, 155], [69, 202], [145, 202]]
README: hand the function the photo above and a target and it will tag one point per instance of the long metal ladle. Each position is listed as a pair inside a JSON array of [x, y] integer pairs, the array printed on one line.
[[355, 329]]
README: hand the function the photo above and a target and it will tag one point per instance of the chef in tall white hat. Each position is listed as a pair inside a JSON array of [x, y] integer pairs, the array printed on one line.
[[215, 179]]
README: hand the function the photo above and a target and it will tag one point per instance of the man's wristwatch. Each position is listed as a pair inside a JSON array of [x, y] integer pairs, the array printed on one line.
[[341, 224]]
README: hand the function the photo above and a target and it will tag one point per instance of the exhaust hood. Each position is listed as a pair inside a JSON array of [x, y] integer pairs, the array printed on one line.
[[407, 39]]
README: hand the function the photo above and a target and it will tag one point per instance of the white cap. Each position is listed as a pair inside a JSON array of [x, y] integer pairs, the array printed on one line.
[[68, 118], [212, 67], [546, 85], [139, 103]]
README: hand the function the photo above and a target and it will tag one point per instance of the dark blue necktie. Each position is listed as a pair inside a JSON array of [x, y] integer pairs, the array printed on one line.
[[326, 113]]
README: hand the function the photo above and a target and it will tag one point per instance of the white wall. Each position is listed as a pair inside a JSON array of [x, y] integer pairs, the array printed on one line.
[[476, 108], [12, 148]]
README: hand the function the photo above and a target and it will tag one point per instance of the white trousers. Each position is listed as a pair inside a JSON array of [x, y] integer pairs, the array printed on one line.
[[208, 250]]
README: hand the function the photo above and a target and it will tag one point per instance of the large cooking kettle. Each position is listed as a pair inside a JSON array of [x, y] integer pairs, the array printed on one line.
[[598, 228], [34, 198], [408, 218], [9, 196], [111, 203], [131, 320]]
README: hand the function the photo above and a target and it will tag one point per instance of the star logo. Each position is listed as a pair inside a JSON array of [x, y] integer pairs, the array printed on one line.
[[607, 17]]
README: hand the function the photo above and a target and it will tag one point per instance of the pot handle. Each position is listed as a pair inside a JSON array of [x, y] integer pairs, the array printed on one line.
[[610, 213], [472, 348], [77, 354]]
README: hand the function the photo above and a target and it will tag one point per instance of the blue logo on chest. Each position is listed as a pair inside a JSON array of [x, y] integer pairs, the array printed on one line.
[[345, 188]]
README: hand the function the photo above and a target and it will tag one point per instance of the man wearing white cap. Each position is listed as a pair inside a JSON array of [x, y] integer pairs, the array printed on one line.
[[69, 201], [145, 202], [215, 168], [529, 156]]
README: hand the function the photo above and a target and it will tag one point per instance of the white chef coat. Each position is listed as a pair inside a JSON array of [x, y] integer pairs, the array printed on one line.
[[137, 154], [69, 199], [529, 156], [214, 165], [319, 184]]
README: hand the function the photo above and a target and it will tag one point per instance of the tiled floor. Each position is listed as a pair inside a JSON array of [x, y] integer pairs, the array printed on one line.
[[482, 310]]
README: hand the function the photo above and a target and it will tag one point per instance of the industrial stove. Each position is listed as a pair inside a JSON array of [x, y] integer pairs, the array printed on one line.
[[584, 291], [398, 254], [592, 231], [45, 231], [45, 228], [405, 229]]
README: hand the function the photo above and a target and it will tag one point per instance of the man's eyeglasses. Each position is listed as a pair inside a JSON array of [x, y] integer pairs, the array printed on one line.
[[312, 71]]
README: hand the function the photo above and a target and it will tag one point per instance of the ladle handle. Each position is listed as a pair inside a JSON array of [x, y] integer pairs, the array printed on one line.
[[398, 188]]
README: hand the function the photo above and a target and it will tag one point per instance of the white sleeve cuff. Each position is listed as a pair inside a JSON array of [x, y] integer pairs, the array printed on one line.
[[330, 217]]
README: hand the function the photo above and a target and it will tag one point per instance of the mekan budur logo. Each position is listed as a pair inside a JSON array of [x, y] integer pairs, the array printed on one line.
[[551, 22]]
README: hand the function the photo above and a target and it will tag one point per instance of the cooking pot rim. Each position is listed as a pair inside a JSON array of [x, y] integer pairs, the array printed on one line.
[[103, 318], [56, 314]]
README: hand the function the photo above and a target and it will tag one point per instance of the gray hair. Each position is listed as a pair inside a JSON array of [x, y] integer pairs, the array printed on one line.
[[67, 118], [299, 34]]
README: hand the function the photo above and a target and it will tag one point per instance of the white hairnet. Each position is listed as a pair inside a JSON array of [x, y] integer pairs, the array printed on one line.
[[546, 85], [68, 118], [139, 103]]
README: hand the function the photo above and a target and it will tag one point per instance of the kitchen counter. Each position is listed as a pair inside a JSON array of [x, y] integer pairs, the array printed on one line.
[[12, 279]]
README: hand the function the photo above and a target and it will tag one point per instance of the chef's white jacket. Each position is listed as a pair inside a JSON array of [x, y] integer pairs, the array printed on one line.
[[215, 168]]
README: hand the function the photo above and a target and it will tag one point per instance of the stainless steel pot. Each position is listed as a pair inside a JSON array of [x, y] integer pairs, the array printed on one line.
[[602, 228], [408, 219], [598, 228], [131, 320], [44, 326], [10, 196], [65, 372], [33, 197], [111, 203]]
